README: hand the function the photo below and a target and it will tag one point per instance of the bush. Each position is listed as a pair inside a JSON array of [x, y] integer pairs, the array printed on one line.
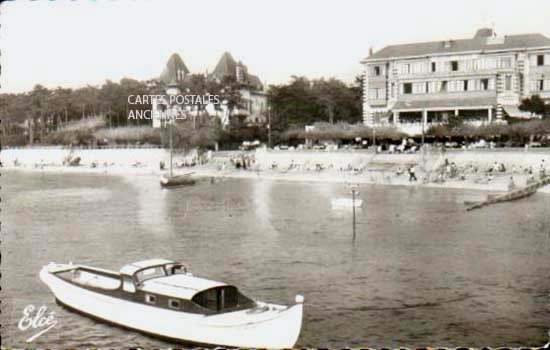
[[69, 137], [14, 140], [519, 132], [130, 134], [343, 131], [93, 123]]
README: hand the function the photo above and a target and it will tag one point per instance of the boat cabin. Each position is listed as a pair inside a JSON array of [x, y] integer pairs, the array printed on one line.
[[161, 283]]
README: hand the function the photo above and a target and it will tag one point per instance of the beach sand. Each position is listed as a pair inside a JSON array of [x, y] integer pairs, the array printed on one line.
[[290, 165]]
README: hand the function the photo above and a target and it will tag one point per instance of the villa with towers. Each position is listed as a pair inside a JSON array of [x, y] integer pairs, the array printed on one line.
[[481, 79], [253, 95]]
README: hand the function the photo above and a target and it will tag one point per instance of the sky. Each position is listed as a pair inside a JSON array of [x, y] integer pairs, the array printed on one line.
[[75, 43]]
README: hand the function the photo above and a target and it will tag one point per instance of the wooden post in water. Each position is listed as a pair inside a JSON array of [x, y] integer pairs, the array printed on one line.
[[353, 204], [354, 192]]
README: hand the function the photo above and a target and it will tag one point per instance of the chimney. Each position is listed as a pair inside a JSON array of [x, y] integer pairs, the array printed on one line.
[[370, 51]]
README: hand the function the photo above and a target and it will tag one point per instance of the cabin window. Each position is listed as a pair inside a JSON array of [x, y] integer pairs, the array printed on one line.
[[454, 66], [540, 60], [407, 88], [174, 304], [150, 299], [173, 269], [152, 272]]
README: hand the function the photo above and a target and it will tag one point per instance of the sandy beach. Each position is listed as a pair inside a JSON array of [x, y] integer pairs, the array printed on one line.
[[358, 167]]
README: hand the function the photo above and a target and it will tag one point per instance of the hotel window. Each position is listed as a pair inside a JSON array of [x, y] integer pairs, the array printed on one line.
[[418, 88], [540, 60], [508, 82], [407, 88], [506, 62], [540, 85], [466, 85], [454, 66], [377, 70], [433, 67], [150, 299], [484, 84], [427, 87], [444, 86]]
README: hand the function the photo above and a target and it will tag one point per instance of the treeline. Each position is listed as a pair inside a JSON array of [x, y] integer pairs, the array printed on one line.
[[304, 101], [45, 115], [29, 117]]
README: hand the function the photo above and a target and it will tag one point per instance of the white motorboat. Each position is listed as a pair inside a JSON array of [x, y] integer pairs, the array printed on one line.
[[161, 298], [346, 203]]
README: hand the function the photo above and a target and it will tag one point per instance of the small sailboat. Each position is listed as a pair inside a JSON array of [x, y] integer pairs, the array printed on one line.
[[162, 298], [179, 180]]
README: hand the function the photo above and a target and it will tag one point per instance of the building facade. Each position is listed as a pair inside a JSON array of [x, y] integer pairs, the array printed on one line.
[[480, 80], [253, 96]]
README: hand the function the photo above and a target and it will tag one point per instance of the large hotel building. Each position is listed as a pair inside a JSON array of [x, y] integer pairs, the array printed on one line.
[[482, 80]]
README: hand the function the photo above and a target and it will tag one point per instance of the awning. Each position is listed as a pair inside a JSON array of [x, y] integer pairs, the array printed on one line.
[[446, 104], [514, 112]]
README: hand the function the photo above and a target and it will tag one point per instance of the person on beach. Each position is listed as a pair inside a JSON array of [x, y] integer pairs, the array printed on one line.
[[511, 184], [542, 170], [412, 173]]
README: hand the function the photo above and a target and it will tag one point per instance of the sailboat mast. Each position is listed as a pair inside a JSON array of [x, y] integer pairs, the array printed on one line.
[[171, 147]]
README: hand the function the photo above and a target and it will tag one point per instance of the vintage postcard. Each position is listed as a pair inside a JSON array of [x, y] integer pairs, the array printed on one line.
[[275, 174]]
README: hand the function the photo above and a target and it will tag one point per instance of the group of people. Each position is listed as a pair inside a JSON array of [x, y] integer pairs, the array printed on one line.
[[450, 170]]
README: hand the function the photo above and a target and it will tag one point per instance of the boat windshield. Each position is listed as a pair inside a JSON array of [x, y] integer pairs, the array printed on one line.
[[173, 269], [151, 272]]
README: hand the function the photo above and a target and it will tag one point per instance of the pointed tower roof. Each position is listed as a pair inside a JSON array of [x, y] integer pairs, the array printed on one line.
[[174, 71], [226, 66]]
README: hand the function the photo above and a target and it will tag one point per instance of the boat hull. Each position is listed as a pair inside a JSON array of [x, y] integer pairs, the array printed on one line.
[[174, 181], [269, 329]]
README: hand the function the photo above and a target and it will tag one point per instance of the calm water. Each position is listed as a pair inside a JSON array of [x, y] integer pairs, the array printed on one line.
[[420, 272]]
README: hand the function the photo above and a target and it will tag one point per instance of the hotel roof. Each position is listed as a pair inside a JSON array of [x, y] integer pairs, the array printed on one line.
[[482, 41]]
